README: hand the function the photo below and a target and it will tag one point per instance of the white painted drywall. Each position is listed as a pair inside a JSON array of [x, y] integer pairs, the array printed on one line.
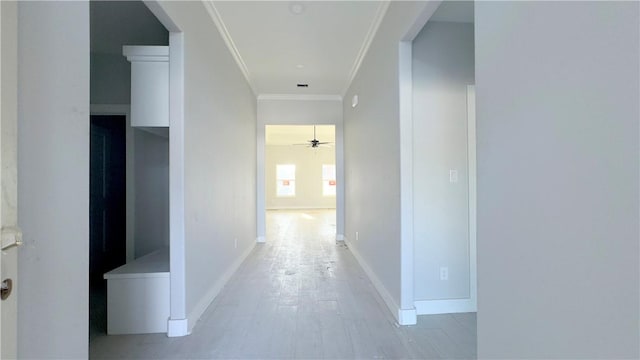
[[443, 66], [114, 24], [110, 79], [308, 182], [220, 158], [299, 110], [151, 192], [53, 178], [9, 197], [372, 155], [557, 87]]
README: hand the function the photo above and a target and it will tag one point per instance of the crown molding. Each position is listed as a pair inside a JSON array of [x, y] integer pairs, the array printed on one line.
[[224, 33], [305, 97], [368, 39]]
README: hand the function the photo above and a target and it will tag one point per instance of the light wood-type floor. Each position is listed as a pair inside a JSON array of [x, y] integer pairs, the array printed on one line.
[[301, 295]]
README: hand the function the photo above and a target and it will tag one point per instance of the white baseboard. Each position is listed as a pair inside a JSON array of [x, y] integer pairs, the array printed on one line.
[[407, 316], [177, 328], [261, 239], [384, 293], [208, 298], [448, 306], [340, 237]]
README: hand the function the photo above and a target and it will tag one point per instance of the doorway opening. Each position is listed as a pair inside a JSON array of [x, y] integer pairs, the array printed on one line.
[[300, 177], [107, 217]]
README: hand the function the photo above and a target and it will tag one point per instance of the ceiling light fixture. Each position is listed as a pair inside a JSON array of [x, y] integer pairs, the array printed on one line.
[[299, 66], [296, 8]]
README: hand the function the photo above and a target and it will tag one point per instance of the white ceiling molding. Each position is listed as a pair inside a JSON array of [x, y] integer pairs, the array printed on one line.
[[375, 25], [224, 33], [307, 97]]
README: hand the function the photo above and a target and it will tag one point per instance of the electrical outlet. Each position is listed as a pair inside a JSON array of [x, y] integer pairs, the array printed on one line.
[[357, 236], [444, 273], [235, 243]]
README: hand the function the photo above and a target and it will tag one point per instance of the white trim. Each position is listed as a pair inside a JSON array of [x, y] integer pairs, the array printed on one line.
[[130, 189], [340, 237], [407, 316], [226, 36], [405, 76], [366, 44], [306, 97], [177, 327], [448, 306], [208, 298], [177, 255], [384, 293], [261, 239], [146, 53], [473, 200]]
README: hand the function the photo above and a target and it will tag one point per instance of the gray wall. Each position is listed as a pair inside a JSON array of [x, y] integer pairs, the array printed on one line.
[[151, 192], [372, 154], [558, 133], [220, 157], [113, 24], [9, 143], [53, 178], [110, 79], [443, 66]]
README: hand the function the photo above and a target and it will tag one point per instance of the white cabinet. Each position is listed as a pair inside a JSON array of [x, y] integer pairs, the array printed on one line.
[[149, 85], [138, 295]]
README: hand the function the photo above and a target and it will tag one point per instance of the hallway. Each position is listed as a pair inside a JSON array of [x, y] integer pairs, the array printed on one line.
[[301, 295]]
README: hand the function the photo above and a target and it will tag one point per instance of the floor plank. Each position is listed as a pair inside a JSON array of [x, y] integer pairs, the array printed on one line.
[[301, 295]]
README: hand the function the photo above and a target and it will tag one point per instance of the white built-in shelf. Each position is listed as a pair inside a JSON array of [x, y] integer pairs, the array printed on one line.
[[149, 85]]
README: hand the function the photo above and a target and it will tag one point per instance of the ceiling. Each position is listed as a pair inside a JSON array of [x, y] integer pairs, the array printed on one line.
[[284, 43], [298, 134]]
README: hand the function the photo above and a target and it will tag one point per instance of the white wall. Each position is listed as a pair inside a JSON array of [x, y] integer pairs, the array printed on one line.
[[53, 178], [558, 144], [308, 182], [372, 155], [442, 68], [9, 197], [220, 158], [299, 110], [151, 192]]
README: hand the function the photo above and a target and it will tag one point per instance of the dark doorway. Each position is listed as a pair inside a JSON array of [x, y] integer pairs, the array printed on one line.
[[107, 218]]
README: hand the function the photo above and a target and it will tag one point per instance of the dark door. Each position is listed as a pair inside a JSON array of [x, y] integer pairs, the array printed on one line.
[[107, 205]]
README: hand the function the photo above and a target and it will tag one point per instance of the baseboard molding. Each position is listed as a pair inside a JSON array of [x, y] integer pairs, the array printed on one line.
[[448, 306], [206, 300], [340, 237], [407, 316], [177, 328], [384, 293]]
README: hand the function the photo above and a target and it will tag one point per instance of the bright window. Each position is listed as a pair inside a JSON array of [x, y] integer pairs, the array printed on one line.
[[329, 180], [285, 180]]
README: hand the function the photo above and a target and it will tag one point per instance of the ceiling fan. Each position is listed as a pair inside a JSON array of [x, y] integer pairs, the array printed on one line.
[[315, 143]]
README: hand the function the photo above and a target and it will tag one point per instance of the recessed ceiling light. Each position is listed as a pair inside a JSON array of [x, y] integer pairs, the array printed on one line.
[[299, 66], [296, 8]]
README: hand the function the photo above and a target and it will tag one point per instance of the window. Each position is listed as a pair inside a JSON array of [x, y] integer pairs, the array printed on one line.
[[329, 180], [285, 180]]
